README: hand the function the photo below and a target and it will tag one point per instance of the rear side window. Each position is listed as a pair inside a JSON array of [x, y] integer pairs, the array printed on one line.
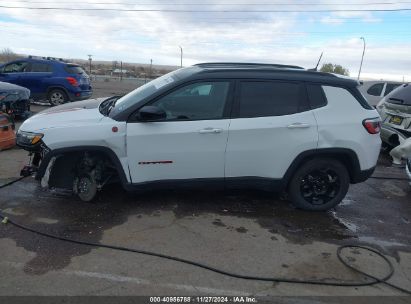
[[376, 89], [40, 67], [271, 98], [316, 96], [390, 87], [74, 69]]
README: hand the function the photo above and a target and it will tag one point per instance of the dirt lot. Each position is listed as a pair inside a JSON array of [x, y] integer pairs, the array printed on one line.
[[244, 232]]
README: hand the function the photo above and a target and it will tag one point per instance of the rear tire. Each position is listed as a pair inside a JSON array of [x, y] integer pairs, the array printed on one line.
[[57, 97], [319, 184]]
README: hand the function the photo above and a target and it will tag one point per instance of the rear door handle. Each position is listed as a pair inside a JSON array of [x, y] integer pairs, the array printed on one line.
[[298, 125], [210, 130]]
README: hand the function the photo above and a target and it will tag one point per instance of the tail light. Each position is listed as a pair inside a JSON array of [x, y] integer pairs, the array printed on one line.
[[372, 125], [72, 81]]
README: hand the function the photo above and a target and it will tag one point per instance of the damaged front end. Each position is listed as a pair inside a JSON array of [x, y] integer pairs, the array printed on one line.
[[82, 172], [32, 143]]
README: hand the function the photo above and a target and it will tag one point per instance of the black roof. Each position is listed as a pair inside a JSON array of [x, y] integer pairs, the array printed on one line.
[[268, 71], [246, 65]]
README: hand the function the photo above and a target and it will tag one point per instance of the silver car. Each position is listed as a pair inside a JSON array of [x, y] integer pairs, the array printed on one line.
[[395, 112], [374, 91]]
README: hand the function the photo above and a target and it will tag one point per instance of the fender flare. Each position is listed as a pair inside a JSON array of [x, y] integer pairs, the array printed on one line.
[[105, 150], [348, 157]]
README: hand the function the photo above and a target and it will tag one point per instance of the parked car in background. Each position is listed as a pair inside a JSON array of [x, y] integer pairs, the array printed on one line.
[[14, 100], [233, 125], [374, 91], [48, 79], [7, 133], [395, 112]]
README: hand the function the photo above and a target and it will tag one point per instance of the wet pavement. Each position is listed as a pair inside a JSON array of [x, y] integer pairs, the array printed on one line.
[[244, 231]]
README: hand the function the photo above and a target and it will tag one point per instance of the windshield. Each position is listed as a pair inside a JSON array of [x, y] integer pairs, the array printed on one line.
[[150, 88]]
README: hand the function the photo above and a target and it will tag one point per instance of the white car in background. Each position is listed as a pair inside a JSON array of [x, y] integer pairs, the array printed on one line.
[[374, 91]]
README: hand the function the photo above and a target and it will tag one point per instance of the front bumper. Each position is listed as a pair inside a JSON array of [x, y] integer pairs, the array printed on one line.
[[37, 154], [408, 169]]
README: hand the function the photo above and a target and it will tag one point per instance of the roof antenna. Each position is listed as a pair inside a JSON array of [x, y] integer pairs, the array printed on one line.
[[316, 67]]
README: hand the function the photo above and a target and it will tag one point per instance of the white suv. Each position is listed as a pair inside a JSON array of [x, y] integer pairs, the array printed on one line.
[[226, 125]]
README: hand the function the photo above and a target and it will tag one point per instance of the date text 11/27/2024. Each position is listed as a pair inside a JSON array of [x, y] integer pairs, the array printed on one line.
[[205, 299]]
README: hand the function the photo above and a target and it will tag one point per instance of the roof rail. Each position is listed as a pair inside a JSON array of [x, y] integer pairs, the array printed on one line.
[[242, 64], [45, 58], [56, 59], [36, 57]]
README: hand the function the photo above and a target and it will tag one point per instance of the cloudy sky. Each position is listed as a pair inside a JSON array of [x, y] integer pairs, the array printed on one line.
[[270, 31]]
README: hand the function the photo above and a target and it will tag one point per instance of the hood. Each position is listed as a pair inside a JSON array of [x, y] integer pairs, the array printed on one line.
[[10, 92], [84, 112]]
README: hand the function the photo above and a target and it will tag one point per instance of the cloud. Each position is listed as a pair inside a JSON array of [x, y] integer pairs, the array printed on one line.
[[293, 38]]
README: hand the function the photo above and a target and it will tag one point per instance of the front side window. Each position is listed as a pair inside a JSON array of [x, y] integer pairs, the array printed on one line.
[[376, 89], [271, 98], [15, 67], [197, 101]]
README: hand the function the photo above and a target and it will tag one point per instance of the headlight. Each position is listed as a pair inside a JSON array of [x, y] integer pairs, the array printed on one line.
[[28, 138]]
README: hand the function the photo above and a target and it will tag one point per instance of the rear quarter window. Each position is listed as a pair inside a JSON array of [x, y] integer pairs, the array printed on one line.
[[316, 96], [74, 69]]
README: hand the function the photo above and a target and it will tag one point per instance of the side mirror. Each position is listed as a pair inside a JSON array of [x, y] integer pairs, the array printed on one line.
[[151, 113]]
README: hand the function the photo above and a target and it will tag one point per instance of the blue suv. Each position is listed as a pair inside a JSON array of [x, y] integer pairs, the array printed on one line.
[[48, 78]]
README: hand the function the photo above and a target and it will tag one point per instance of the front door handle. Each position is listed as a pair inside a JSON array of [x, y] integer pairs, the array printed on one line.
[[210, 130], [298, 125]]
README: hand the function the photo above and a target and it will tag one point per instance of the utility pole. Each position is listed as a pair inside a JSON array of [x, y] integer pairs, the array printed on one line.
[[362, 58], [89, 63], [151, 68], [121, 70], [181, 56]]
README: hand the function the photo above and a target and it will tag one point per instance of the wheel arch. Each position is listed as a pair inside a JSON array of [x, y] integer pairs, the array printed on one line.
[[107, 152], [346, 156], [57, 87]]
